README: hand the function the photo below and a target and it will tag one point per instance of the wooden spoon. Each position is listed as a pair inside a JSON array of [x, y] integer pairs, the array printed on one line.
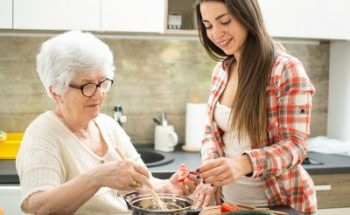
[[160, 203]]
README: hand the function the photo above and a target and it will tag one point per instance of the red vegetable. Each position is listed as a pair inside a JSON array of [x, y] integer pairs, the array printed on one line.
[[183, 173], [227, 207]]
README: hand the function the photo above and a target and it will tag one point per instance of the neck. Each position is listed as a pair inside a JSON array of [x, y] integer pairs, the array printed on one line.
[[234, 67], [237, 56], [75, 124]]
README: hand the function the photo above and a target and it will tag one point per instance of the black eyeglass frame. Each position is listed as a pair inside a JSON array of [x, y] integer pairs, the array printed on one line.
[[81, 87]]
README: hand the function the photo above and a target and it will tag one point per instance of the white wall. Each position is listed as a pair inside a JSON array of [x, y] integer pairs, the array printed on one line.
[[339, 91]]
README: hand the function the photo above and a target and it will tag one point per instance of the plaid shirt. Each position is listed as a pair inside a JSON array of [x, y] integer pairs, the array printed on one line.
[[289, 95]]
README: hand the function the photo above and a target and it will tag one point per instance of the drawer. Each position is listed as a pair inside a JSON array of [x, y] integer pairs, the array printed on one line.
[[332, 190]]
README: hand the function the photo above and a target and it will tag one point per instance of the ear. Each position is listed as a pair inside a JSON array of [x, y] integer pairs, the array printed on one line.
[[54, 94]]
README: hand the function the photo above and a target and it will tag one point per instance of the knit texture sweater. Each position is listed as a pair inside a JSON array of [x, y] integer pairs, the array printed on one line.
[[50, 155]]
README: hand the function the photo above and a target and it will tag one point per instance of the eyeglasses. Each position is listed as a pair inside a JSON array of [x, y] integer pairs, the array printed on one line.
[[90, 89]]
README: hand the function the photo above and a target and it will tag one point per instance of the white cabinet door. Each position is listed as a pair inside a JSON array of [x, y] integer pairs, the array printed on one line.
[[133, 15], [10, 197], [57, 14], [320, 19], [5, 14]]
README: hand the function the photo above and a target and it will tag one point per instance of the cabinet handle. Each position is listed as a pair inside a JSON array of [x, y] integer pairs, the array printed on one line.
[[325, 187]]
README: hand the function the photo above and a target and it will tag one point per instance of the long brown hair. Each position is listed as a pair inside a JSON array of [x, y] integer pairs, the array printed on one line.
[[257, 58]]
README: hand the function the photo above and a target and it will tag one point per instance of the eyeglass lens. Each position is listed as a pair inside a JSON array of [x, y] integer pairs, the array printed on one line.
[[90, 89]]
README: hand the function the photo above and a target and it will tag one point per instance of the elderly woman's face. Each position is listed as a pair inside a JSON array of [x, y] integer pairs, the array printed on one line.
[[86, 94]]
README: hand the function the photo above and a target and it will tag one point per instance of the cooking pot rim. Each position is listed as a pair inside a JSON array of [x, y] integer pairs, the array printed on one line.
[[140, 197]]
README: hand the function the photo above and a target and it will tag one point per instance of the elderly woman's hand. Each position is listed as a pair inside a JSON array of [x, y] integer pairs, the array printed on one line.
[[204, 195], [122, 175], [181, 187]]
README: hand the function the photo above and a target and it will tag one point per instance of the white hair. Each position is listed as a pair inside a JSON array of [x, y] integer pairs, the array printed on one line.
[[65, 55]]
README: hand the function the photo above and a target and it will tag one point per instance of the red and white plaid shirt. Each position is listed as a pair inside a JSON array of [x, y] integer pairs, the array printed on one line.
[[289, 97]]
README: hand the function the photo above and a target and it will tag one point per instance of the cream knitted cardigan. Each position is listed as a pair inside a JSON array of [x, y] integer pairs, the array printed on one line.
[[50, 155]]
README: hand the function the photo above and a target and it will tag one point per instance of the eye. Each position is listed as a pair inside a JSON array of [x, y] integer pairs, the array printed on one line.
[[226, 22], [207, 26]]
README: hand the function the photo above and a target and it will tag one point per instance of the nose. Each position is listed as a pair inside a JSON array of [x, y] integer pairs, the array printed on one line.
[[217, 32], [98, 93]]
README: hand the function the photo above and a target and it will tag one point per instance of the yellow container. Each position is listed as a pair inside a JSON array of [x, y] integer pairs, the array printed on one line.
[[9, 147]]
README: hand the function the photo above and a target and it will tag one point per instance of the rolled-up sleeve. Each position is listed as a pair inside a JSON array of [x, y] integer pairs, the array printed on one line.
[[293, 103]]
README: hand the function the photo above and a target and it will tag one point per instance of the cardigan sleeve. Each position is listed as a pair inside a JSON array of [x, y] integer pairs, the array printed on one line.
[[39, 164], [294, 92]]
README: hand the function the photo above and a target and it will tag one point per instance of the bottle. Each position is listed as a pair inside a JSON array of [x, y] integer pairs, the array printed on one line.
[[118, 115]]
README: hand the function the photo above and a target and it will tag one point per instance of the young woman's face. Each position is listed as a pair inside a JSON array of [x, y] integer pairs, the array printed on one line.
[[222, 28]]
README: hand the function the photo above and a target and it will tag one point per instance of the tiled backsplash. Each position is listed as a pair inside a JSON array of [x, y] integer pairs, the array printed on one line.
[[152, 76]]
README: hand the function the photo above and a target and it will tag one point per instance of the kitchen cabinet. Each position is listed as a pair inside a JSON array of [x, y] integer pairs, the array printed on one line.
[[320, 19], [10, 197], [311, 19], [133, 15], [57, 14], [185, 9], [5, 14], [332, 190]]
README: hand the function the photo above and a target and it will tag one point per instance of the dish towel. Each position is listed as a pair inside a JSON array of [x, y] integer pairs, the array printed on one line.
[[326, 145]]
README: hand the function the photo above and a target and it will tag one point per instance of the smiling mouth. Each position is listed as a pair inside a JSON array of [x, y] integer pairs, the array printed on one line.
[[224, 44]]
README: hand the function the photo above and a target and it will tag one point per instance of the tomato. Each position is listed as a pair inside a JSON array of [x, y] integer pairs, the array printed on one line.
[[227, 207], [183, 173]]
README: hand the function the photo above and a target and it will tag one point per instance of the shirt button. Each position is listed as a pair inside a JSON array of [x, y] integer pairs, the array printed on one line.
[[102, 161]]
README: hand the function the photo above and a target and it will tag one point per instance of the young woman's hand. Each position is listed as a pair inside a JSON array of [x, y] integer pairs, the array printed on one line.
[[222, 171]]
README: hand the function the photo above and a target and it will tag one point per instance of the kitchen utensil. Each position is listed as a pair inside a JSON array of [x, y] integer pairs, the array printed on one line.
[[215, 210], [154, 194], [249, 207], [143, 204], [164, 120], [249, 212], [244, 209], [165, 138], [157, 121]]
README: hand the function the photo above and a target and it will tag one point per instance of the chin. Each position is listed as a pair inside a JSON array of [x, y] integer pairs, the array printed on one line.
[[229, 51], [93, 113], [96, 113]]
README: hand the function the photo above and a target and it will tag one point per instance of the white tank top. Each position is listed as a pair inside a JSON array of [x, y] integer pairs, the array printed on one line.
[[245, 190]]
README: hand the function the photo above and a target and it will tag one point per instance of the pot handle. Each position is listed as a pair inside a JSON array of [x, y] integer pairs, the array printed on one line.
[[193, 211], [129, 196]]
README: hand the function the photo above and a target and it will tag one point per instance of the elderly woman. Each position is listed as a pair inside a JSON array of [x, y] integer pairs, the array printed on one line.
[[71, 158]]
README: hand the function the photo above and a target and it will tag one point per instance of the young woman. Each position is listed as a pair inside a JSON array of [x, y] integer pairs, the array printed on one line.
[[259, 113]]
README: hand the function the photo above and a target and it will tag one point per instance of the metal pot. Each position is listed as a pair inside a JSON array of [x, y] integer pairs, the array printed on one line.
[[146, 205]]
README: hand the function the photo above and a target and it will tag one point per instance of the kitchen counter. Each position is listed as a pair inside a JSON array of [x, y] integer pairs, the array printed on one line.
[[329, 164], [320, 163]]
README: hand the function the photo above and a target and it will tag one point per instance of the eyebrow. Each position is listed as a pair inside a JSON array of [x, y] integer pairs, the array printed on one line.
[[217, 18], [87, 80]]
